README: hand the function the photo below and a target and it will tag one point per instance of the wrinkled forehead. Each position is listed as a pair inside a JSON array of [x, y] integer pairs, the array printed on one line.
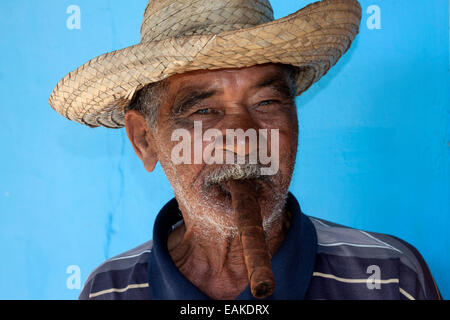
[[221, 78]]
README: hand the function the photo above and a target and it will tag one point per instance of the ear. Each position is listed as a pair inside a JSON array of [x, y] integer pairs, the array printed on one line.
[[141, 138]]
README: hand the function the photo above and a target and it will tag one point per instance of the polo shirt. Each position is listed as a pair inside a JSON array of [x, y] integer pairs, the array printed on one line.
[[317, 260]]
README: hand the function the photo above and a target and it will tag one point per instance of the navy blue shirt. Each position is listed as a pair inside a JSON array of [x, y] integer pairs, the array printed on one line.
[[317, 260]]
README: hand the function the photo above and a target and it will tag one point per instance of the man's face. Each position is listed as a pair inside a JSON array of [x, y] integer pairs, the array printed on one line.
[[257, 98]]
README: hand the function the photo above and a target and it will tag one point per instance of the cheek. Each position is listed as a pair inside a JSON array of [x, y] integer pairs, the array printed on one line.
[[288, 146], [288, 143], [283, 117], [290, 129], [287, 124], [185, 175], [177, 161]]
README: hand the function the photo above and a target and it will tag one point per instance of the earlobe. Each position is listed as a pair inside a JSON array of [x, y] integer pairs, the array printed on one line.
[[141, 139], [150, 158]]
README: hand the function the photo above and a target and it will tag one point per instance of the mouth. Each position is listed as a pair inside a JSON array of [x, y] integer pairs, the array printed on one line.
[[220, 191], [214, 183], [223, 188]]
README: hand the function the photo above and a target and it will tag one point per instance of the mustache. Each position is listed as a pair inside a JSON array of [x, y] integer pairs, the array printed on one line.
[[234, 172]]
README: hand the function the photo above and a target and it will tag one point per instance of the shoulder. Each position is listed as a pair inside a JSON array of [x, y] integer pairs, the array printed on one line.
[[121, 277], [358, 253]]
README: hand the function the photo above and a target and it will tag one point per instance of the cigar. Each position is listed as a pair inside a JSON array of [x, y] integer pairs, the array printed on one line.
[[247, 213]]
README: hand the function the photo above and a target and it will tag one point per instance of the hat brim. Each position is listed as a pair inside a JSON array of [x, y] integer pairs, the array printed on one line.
[[312, 39]]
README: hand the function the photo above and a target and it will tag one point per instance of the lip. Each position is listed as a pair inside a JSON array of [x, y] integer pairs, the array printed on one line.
[[223, 186], [221, 191]]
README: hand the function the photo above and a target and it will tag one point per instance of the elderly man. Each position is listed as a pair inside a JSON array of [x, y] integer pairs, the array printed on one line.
[[209, 93]]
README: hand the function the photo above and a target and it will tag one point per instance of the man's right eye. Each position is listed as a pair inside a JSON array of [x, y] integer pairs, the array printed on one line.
[[203, 111]]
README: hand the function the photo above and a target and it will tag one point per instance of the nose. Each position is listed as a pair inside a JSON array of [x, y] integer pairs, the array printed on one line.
[[240, 131]]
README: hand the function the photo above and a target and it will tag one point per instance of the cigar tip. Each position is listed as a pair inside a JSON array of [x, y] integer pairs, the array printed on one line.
[[263, 289]]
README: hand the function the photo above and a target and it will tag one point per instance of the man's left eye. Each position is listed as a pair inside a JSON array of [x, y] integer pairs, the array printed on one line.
[[266, 102], [203, 111]]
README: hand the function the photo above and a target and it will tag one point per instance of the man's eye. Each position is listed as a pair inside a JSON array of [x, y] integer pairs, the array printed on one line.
[[203, 111], [266, 102]]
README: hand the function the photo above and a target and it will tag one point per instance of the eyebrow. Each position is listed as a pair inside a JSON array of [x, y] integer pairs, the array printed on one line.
[[194, 97], [278, 82]]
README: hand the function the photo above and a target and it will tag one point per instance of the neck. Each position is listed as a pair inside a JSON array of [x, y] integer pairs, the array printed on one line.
[[214, 262]]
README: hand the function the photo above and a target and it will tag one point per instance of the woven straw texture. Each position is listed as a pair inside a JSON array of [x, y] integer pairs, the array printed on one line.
[[187, 35]]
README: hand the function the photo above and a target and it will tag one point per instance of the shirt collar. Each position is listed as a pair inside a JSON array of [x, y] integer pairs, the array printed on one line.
[[292, 264]]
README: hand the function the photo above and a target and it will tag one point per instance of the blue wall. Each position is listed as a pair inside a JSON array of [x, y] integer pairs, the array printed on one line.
[[373, 154]]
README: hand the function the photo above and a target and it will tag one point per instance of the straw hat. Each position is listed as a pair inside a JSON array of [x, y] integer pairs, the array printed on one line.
[[178, 36]]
